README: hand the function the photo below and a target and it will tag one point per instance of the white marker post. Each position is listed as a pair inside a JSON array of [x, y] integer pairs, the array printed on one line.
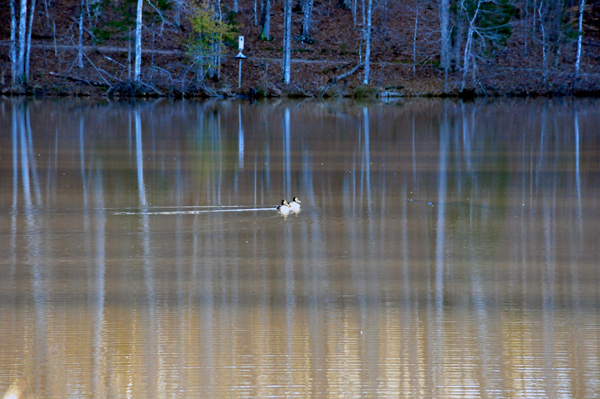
[[240, 56]]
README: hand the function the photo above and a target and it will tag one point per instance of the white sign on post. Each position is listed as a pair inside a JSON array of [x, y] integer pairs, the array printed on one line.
[[241, 47], [240, 56]]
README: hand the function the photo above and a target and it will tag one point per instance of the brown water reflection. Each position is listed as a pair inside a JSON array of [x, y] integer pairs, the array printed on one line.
[[138, 259]]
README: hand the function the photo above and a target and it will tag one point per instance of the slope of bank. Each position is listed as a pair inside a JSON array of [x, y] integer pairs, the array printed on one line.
[[330, 64]]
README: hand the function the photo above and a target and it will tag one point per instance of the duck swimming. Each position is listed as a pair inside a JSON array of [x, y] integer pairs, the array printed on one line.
[[284, 208], [295, 205]]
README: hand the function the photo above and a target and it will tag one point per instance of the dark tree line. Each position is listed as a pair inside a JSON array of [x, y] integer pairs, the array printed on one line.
[[462, 36]]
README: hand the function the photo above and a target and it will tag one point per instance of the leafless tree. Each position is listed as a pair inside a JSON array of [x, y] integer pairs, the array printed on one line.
[[265, 20], [21, 25], [287, 28], [468, 52], [444, 10], [579, 37], [541, 13], [367, 34], [80, 47], [415, 35], [138, 41], [307, 8]]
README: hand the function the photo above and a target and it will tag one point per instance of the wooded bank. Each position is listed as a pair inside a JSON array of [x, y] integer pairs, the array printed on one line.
[[300, 47]]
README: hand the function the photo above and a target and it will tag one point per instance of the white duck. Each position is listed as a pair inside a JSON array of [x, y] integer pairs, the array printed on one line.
[[284, 208], [295, 205]]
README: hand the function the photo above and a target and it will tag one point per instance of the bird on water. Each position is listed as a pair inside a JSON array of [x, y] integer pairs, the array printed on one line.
[[295, 205], [284, 208]]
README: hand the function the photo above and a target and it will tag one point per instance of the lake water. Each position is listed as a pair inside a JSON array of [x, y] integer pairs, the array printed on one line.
[[443, 249]]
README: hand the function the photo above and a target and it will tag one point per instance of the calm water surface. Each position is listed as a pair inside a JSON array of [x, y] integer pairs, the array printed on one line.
[[443, 249]]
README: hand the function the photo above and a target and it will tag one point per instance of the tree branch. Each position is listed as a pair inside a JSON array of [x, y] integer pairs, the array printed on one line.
[[345, 75], [73, 79]]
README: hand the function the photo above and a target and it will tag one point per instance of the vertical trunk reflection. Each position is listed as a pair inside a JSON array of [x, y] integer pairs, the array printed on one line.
[[443, 249]]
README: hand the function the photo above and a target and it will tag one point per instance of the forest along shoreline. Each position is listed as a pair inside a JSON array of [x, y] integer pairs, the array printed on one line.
[[300, 48]]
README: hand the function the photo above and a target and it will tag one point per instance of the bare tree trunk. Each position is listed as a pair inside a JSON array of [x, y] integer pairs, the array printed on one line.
[[469, 47], [307, 20], [255, 12], [445, 39], [13, 42], [362, 37], [287, 28], [456, 36], [579, 37], [468, 55], [265, 20], [544, 43], [415, 35], [367, 33], [213, 71], [21, 78], [556, 13], [363, 14], [80, 51], [28, 49], [129, 54], [138, 42], [178, 10], [235, 6]]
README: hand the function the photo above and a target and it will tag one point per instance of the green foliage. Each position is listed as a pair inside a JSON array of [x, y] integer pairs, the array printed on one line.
[[121, 17], [364, 91], [492, 20], [209, 36]]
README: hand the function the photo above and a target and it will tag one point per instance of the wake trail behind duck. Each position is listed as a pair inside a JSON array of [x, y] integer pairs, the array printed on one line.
[[195, 212]]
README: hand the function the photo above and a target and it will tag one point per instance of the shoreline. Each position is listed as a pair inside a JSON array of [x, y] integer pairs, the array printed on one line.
[[127, 89], [103, 76]]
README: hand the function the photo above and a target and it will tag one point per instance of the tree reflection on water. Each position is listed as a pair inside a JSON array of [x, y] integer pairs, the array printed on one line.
[[142, 257]]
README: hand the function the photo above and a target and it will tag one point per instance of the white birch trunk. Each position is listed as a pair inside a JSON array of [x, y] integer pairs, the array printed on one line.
[[469, 47], [213, 71], [138, 42], [287, 28], [80, 51], [28, 49], [22, 41], [235, 6], [467, 56], [415, 35], [544, 44], [363, 14], [445, 39], [307, 18], [367, 31], [579, 38], [218, 9], [13, 42]]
